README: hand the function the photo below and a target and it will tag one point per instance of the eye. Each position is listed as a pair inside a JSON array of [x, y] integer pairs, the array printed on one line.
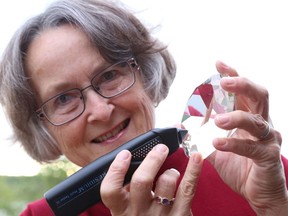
[[108, 76], [64, 106], [64, 103], [63, 99], [114, 80], [107, 79]]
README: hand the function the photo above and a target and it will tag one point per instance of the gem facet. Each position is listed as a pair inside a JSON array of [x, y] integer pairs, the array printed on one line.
[[207, 100]]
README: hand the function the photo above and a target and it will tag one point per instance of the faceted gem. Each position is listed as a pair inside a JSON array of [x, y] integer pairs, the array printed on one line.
[[207, 100], [164, 201]]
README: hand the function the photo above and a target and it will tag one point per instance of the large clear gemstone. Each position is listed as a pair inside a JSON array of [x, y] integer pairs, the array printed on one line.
[[207, 100]]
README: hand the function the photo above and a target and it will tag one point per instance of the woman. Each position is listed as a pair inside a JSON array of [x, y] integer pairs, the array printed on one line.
[[83, 77]]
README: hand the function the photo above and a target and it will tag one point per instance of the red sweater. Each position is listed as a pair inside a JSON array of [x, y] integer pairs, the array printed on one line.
[[213, 197]]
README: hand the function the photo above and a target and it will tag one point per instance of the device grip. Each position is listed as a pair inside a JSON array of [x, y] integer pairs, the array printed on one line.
[[82, 189]]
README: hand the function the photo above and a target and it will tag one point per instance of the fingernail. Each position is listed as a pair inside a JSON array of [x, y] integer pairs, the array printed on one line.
[[196, 158], [220, 142], [222, 119], [123, 155], [228, 80], [224, 65], [160, 148], [176, 171]]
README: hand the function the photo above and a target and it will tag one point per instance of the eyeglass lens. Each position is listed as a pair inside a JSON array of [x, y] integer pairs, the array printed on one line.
[[70, 104]]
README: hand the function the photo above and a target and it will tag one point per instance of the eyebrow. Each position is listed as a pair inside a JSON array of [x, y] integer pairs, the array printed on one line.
[[57, 87]]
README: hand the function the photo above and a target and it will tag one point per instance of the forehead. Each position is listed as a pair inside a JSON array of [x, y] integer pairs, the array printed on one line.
[[59, 40], [57, 56]]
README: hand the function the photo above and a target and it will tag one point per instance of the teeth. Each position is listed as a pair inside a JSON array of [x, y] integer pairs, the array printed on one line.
[[111, 133]]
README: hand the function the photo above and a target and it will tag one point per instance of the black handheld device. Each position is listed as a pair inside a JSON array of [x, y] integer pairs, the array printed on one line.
[[82, 189]]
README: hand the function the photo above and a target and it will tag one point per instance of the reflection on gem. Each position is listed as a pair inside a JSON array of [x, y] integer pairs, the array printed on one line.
[[207, 100]]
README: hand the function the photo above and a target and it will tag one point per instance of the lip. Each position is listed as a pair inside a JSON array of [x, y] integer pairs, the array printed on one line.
[[113, 134]]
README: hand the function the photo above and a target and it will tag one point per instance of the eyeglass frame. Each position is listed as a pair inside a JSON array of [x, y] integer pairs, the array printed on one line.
[[133, 65]]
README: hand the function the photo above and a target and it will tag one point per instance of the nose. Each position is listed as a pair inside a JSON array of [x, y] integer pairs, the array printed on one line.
[[97, 108]]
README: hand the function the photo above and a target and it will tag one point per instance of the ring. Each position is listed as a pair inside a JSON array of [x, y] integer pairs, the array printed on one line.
[[164, 201], [266, 132]]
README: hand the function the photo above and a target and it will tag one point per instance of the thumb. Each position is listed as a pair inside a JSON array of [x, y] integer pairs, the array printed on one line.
[[112, 192]]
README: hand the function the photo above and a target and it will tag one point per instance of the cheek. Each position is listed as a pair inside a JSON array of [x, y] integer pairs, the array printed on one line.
[[67, 137], [148, 111], [142, 108]]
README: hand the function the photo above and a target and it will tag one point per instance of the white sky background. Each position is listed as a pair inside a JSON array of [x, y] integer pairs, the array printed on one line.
[[250, 35]]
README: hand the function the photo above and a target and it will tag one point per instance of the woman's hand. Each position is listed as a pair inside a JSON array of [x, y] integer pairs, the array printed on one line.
[[249, 161], [137, 198]]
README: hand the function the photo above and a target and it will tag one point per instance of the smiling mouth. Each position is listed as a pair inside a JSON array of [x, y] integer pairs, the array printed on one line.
[[112, 133]]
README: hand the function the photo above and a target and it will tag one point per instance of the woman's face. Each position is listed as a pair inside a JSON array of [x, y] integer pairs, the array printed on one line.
[[63, 58]]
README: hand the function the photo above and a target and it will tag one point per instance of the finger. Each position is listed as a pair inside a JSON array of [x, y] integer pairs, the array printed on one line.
[[239, 85], [250, 96], [225, 69], [187, 187], [166, 184], [112, 193], [142, 180], [253, 149], [254, 137], [244, 86], [165, 190], [254, 125]]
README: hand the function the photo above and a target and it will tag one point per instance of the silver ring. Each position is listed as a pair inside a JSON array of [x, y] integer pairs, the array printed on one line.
[[266, 132], [164, 201]]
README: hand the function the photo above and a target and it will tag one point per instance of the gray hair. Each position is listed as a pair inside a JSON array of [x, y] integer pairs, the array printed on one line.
[[115, 32]]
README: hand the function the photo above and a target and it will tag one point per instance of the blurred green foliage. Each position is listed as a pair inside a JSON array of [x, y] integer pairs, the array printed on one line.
[[16, 192]]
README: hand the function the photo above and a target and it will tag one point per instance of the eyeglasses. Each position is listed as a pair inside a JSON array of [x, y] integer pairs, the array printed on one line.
[[70, 104]]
